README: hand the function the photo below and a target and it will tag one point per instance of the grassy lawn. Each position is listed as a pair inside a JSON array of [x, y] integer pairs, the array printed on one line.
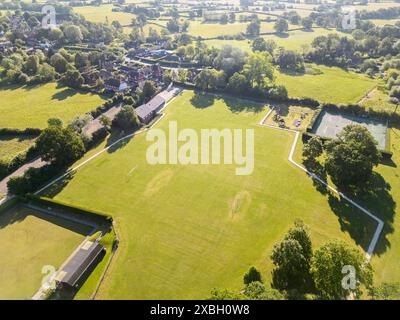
[[327, 84], [382, 22], [383, 203], [30, 241], [379, 100], [10, 146], [186, 229], [25, 107], [385, 269], [104, 13]]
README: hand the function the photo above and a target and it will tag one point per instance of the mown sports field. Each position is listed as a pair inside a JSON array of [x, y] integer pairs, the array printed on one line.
[[185, 229], [29, 242], [31, 106]]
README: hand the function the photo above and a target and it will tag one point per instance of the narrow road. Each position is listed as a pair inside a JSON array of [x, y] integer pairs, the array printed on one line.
[[36, 163]]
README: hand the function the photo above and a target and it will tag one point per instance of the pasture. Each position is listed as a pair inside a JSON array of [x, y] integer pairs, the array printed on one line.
[[104, 13], [32, 106], [185, 229], [10, 146], [297, 40], [327, 84], [30, 241]]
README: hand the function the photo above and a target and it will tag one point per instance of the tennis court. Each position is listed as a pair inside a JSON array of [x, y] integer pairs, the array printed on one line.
[[329, 124]]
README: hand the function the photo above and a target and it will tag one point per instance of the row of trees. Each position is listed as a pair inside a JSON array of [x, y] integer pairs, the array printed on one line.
[[334, 271]]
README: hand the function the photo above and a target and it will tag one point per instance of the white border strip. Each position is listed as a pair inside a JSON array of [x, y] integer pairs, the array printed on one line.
[[379, 228]]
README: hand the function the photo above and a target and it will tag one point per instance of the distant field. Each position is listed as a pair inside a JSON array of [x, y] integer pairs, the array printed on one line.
[[187, 229], [378, 5], [209, 30], [10, 146], [104, 12], [382, 22], [29, 242], [23, 107], [329, 84], [294, 40]]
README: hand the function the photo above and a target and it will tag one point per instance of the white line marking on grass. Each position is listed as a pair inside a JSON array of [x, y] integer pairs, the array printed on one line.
[[133, 169], [379, 228]]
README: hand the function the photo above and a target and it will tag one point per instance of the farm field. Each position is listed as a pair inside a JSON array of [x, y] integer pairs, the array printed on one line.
[[293, 40], [30, 242], [31, 107], [327, 84], [180, 230], [373, 6], [104, 12], [10, 146], [382, 22], [210, 30]]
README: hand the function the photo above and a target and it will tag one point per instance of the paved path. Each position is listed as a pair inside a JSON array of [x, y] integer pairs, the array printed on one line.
[[96, 124]]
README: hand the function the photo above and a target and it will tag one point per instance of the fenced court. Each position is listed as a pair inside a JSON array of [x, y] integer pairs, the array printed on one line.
[[329, 124]]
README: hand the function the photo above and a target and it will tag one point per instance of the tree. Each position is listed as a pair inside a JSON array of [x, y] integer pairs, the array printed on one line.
[[225, 294], [73, 79], [55, 34], [281, 25], [327, 269], [55, 122], [238, 83], [259, 70], [60, 146], [208, 79], [288, 59], [73, 34], [253, 28], [105, 121], [230, 60], [292, 258], [148, 91], [81, 60], [252, 275], [352, 156], [307, 22], [259, 44], [257, 291], [126, 119], [313, 149], [32, 65], [59, 63]]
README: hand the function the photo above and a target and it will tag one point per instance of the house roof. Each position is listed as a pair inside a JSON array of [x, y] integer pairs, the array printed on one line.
[[146, 109], [79, 262]]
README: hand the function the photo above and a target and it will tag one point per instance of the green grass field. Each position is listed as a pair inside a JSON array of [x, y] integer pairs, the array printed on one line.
[[327, 84], [293, 40], [24, 107], [104, 13], [186, 229], [10, 146], [379, 100], [30, 241], [210, 30]]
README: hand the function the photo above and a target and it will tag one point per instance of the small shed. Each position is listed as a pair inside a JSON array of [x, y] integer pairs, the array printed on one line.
[[79, 262]]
